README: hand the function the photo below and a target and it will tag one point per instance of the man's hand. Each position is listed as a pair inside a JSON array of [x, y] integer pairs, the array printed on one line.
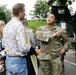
[[62, 51]]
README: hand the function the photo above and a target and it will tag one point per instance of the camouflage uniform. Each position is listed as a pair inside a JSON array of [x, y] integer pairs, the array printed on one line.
[[50, 54]]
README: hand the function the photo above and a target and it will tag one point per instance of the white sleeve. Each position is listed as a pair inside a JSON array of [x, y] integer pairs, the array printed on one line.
[[3, 53]]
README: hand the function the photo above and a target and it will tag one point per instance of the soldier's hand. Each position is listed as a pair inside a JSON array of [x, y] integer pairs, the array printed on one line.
[[62, 51], [55, 34]]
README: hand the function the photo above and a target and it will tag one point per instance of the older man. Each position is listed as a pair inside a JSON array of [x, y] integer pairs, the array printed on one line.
[[14, 42]]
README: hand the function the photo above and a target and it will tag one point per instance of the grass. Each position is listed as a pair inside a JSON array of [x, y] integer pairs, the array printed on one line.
[[36, 24]]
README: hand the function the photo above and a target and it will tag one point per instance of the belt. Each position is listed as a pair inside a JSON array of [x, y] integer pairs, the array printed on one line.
[[55, 55]]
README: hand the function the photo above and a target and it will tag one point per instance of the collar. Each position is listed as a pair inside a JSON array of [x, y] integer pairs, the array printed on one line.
[[51, 27], [15, 18]]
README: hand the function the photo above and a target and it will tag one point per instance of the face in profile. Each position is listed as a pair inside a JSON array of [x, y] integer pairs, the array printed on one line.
[[22, 15], [50, 19]]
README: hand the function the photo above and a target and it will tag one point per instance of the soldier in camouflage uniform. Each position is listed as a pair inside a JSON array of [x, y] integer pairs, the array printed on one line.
[[50, 37]]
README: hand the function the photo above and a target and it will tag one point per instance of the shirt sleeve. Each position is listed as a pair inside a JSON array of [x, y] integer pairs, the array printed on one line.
[[20, 37], [32, 38], [66, 40]]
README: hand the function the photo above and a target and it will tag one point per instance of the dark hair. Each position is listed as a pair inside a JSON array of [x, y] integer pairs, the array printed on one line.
[[54, 15], [17, 8]]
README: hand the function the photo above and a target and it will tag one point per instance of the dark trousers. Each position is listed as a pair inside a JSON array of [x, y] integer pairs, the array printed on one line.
[[30, 67], [3, 73]]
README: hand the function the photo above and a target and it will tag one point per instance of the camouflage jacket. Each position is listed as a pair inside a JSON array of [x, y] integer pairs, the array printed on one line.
[[51, 46]]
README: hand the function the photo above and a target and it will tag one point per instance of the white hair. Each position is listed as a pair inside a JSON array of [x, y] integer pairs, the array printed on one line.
[[2, 22]]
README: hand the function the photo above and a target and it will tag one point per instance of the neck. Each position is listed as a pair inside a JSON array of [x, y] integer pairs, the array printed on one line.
[[50, 25], [17, 17]]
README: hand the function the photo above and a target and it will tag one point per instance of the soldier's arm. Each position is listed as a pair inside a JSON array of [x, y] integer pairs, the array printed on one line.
[[56, 34], [38, 38], [66, 40]]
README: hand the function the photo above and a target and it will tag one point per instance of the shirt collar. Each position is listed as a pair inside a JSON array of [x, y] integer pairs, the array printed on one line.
[[51, 27], [15, 18]]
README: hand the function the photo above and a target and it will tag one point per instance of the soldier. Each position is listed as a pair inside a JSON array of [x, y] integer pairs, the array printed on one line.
[[50, 37]]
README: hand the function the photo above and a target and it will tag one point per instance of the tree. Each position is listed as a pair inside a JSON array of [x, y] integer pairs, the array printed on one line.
[[41, 9], [2, 15], [5, 14], [60, 2]]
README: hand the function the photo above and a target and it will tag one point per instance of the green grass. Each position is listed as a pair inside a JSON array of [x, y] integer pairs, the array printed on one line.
[[36, 24]]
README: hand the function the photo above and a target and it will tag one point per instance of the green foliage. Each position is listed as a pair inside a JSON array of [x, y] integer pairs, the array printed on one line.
[[2, 15], [41, 9], [61, 2], [5, 14], [8, 15], [36, 24], [64, 2]]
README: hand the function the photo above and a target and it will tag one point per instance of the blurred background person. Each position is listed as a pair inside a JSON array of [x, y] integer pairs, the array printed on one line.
[[2, 60], [32, 69]]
